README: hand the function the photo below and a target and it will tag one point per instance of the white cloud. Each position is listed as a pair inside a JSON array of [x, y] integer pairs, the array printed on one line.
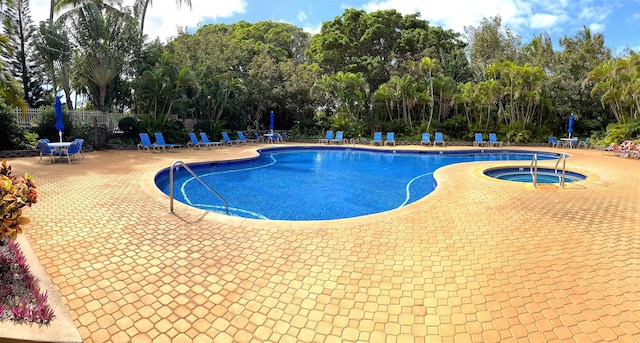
[[543, 21], [39, 10], [311, 28], [163, 20], [456, 14], [164, 17], [599, 13], [596, 27], [302, 16]]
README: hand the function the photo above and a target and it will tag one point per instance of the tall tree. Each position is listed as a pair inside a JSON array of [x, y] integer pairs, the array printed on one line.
[[264, 87], [105, 42], [20, 30], [489, 43], [377, 44], [53, 48], [580, 54], [343, 95], [9, 87]]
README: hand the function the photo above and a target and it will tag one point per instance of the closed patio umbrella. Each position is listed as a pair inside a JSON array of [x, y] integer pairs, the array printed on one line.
[[570, 130], [59, 123], [271, 121]]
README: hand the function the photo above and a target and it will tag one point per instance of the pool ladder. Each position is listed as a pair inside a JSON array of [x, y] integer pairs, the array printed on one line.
[[563, 158], [534, 170], [175, 165]]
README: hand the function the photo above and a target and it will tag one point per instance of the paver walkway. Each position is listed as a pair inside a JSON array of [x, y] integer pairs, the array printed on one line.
[[478, 260]]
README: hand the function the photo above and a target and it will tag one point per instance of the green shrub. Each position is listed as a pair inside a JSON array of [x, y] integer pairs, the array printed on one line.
[[83, 131], [121, 141], [47, 124], [130, 127], [206, 127], [172, 130], [456, 126], [12, 136], [617, 133]]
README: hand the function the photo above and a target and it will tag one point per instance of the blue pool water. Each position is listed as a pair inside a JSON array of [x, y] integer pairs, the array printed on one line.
[[545, 175], [320, 183]]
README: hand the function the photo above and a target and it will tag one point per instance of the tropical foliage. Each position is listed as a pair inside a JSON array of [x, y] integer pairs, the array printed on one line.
[[16, 192], [363, 71]]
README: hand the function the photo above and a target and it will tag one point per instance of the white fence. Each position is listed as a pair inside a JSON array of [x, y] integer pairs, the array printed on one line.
[[109, 120]]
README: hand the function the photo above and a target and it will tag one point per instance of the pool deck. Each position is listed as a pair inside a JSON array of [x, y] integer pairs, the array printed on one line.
[[478, 260]]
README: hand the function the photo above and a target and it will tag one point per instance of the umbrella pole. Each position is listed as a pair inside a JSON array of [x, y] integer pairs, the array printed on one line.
[[60, 134]]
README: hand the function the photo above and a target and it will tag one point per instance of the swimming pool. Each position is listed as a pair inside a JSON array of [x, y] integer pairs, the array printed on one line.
[[521, 174], [321, 183]]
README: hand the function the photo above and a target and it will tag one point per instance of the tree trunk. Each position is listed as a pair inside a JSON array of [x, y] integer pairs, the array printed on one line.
[[142, 16]]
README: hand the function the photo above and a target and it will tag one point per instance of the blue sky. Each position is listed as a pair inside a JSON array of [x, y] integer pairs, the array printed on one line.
[[617, 20]]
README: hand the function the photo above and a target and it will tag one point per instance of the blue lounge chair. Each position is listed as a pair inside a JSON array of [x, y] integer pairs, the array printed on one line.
[[493, 140], [339, 138], [259, 138], [553, 141], [227, 140], [377, 138], [72, 150], [479, 140], [426, 139], [194, 141], [327, 137], [391, 138], [584, 143], [198, 144], [164, 145], [439, 139], [145, 143], [206, 141], [243, 139], [45, 149]]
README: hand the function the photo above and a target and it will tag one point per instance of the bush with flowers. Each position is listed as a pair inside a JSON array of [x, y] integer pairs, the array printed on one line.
[[20, 298], [16, 192]]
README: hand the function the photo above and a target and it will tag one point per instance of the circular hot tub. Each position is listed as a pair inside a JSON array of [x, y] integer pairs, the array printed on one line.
[[523, 174]]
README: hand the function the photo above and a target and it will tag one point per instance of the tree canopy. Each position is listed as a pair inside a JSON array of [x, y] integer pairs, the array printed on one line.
[[363, 71]]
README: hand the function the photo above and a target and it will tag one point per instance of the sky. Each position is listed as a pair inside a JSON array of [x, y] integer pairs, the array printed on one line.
[[617, 20]]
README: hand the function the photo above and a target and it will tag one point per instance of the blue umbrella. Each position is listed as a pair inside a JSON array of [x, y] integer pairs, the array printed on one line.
[[59, 123], [570, 125], [271, 120]]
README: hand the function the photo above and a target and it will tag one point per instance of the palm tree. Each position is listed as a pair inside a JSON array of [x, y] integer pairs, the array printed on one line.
[[69, 8], [429, 66], [385, 95], [142, 5], [102, 70], [606, 83]]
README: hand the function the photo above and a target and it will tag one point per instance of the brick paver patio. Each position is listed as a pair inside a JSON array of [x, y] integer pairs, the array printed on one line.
[[478, 260]]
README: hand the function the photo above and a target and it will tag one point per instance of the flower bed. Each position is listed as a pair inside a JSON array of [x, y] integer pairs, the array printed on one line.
[[20, 298], [22, 301]]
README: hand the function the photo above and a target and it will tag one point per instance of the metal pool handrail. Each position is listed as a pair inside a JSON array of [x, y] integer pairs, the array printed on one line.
[[534, 170], [562, 158], [173, 166]]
